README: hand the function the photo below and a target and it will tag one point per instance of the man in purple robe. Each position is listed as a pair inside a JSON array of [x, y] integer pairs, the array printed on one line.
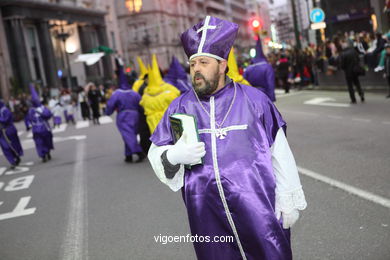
[[248, 186], [260, 73], [39, 116], [126, 102], [177, 76], [9, 139]]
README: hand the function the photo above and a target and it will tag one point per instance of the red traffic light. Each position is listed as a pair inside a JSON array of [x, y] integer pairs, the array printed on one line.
[[255, 23]]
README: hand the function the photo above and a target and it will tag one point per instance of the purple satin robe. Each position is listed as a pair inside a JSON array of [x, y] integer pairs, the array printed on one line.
[[42, 135], [9, 140], [240, 167], [262, 76], [126, 103]]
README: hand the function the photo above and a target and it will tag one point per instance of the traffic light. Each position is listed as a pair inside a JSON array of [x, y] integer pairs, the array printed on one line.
[[255, 24]]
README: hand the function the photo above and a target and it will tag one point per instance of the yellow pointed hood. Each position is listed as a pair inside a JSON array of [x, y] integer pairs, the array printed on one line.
[[233, 69], [142, 67], [154, 85], [156, 71]]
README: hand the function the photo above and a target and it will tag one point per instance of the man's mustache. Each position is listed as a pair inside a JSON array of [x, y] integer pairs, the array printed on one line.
[[199, 75]]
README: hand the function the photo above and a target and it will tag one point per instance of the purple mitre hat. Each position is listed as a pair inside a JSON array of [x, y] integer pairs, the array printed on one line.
[[259, 52], [212, 37]]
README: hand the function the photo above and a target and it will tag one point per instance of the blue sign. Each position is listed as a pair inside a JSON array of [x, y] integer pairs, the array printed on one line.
[[59, 73], [317, 15]]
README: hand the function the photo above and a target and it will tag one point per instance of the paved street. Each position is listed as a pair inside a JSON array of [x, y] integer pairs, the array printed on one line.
[[88, 204]]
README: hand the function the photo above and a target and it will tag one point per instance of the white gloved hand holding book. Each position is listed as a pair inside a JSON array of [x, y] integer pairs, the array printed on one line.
[[185, 153]]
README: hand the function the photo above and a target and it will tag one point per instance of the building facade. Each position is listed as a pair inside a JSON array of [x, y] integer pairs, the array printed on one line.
[[154, 26], [40, 39]]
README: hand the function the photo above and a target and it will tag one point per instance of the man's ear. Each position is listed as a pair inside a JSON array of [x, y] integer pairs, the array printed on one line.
[[223, 66]]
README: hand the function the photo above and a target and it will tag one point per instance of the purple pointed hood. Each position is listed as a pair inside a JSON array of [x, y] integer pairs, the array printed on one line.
[[35, 100], [176, 71], [212, 37], [122, 80], [259, 52]]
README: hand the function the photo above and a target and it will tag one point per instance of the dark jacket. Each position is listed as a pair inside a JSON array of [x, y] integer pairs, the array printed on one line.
[[349, 60]]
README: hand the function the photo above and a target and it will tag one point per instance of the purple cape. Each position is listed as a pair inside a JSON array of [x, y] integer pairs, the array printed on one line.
[[233, 192], [9, 140], [126, 103]]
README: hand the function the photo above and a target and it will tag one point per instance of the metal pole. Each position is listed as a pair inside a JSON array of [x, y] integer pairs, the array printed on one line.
[[297, 39]]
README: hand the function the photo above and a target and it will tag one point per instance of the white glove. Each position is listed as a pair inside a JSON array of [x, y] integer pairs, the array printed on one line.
[[183, 153], [289, 219], [40, 109]]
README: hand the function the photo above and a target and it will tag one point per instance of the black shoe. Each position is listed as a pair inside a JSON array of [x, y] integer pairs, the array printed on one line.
[[353, 102], [362, 99], [129, 159], [44, 159], [12, 167], [48, 157], [388, 96], [17, 161], [141, 157]]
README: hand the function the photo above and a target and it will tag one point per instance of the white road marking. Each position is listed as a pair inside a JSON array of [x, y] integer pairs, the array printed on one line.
[[62, 128], [27, 164], [287, 94], [82, 124], [346, 187], [105, 120], [2, 170], [58, 139], [75, 244], [361, 120], [19, 210], [322, 101], [298, 112]]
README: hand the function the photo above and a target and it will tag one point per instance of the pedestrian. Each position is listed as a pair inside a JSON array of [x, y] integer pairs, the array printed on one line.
[[84, 106], [248, 186], [57, 112], [261, 74], [387, 67], [9, 139], [125, 102], [284, 71], [94, 100], [39, 116], [350, 63]]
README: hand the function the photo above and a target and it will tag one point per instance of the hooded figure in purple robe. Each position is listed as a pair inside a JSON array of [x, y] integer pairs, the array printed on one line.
[[125, 102], [9, 139], [177, 76], [247, 186], [260, 73], [39, 116]]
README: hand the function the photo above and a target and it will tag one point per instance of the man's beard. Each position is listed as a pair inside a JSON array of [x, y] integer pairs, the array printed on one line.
[[209, 85]]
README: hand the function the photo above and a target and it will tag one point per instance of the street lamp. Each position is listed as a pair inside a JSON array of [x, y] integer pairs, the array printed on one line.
[[63, 36]]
